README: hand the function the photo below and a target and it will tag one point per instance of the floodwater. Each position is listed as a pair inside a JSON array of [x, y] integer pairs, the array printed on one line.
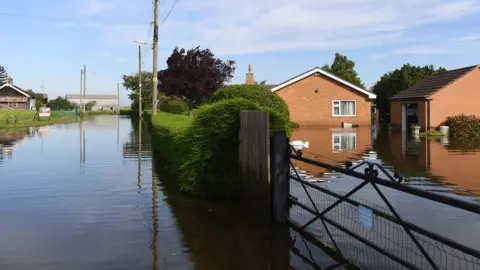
[[92, 196], [437, 165]]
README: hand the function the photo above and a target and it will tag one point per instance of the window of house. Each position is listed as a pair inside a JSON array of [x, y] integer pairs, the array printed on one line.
[[344, 141], [344, 108]]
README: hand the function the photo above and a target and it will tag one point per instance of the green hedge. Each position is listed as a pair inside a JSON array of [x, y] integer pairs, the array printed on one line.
[[259, 94], [173, 105], [463, 126], [203, 149]]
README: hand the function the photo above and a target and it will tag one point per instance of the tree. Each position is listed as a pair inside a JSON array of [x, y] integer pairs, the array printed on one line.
[[261, 82], [394, 82], [89, 105], [61, 103], [3, 75], [131, 83], [39, 98], [194, 74], [345, 69]]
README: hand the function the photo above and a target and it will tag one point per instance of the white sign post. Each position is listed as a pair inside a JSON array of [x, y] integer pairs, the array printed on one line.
[[44, 112]]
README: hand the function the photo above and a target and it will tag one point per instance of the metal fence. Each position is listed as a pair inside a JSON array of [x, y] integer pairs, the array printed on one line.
[[367, 235]]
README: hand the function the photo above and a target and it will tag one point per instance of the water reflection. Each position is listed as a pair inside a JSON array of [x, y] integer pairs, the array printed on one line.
[[437, 161], [9, 138], [332, 145]]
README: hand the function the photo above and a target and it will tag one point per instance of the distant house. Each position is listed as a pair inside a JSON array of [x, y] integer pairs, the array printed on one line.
[[102, 102], [431, 101], [318, 98], [14, 97]]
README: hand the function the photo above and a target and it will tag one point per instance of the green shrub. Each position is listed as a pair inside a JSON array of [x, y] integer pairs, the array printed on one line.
[[203, 149], [463, 126], [173, 105], [211, 165], [259, 94]]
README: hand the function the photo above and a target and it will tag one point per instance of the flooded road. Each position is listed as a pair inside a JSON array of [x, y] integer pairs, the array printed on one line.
[[432, 165], [91, 196]]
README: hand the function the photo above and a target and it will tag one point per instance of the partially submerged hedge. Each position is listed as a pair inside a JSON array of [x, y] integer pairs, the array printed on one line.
[[258, 94], [203, 150], [463, 126]]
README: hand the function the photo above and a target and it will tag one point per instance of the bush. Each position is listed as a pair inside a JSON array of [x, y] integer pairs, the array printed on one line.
[[463, 126], [203, 149], [15, 116], [174, 105], [259, 94]]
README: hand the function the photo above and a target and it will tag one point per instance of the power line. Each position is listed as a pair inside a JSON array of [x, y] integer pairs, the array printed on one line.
[[169, 12], [60, 19]]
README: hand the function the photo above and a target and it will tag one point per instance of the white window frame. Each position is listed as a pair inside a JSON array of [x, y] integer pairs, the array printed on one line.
[[339, 144], [339, 106]]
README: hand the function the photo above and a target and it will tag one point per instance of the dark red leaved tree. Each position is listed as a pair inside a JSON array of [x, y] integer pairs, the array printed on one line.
[[194, 74]]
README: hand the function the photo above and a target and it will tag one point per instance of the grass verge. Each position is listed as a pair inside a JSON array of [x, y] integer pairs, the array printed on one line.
[[23, 118]]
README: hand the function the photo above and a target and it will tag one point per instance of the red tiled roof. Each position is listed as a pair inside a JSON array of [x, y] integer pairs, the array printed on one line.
[[432, 84]]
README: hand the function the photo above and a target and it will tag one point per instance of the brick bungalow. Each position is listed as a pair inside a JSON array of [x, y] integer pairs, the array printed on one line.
[[13, 97], [318, 98], [431, 101]]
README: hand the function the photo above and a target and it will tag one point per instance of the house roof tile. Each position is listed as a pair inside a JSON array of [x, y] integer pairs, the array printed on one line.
[[432, 84]]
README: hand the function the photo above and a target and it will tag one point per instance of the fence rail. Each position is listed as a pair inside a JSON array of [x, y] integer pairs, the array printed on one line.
[[370, 235]]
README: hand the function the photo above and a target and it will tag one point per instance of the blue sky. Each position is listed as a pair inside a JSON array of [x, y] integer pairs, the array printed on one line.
[[52, 40]]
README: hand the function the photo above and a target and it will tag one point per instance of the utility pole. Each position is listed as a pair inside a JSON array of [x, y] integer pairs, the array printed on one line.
[[140, 81], [155, 58], [118, 98], [81, 89], [84, 83]]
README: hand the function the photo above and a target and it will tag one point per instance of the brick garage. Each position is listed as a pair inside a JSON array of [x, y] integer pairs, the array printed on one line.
[[318, 98], [437, 97]]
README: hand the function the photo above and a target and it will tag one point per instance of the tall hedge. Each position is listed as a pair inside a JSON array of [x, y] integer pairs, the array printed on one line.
[[259, 94], [203, 151]]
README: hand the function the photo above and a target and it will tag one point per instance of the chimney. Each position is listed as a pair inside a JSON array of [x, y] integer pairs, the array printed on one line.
[[10, 80], [249, 79]]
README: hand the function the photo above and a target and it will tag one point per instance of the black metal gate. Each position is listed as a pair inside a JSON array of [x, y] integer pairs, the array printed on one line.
[[367, 235]]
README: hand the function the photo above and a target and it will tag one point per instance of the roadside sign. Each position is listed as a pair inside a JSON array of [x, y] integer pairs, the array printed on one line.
[[44, 112]]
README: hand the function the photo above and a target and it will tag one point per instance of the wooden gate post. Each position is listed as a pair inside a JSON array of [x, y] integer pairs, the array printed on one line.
[[254, 161], [279, 176]]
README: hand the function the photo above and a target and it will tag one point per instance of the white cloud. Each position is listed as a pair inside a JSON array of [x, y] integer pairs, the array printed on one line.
[[252, 26], [471, 37], [421, 50]]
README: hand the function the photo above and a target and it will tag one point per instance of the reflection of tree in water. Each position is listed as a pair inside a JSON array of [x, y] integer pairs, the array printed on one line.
[[221, 236]]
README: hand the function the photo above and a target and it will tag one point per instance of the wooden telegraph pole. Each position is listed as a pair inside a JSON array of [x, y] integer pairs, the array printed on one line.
[[140, 81], [118, 98], [81, 90], [84, 83], [155, 58]]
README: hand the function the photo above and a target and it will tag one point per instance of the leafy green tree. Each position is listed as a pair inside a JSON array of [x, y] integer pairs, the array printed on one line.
[[194, 74], [394, 82], [344, 68], [61, 104], [130, 82], [3, 75], [89, 105], [261, 82], [38, 97]]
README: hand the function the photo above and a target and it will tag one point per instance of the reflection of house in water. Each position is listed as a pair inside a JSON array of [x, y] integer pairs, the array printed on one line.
[[332, 145], [8, 140], [431, 158]]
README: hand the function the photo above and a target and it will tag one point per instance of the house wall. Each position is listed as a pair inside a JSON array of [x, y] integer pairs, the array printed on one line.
[[460, 97], [101, 103], [8, 92], [315, 109], [396, 113]]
